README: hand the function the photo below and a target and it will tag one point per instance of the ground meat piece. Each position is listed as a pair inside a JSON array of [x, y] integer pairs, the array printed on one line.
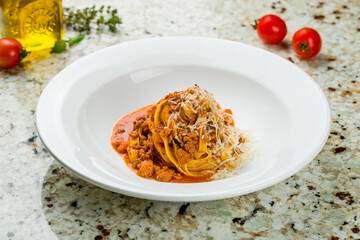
[[123, 146], [191, 143], [135, 146], [167, 134], [228, 119], [146, 168], [190, 147], [228, 111], [171, 96], [184, 157], [164, 174], [146, 150], [142, 152], [140, 120], [193, 136], [145, 127]]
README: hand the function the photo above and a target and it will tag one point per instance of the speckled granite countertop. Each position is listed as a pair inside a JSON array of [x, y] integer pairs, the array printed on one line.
[[39, 199]]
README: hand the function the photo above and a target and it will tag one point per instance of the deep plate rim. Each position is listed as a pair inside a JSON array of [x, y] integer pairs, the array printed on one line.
[[193, 197]]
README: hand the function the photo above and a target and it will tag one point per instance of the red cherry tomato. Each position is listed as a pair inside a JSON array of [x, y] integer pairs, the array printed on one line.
[[10, 52], [271, 29], [306, 42]]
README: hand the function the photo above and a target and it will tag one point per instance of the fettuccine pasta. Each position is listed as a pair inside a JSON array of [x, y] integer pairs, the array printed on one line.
[[185, 135]]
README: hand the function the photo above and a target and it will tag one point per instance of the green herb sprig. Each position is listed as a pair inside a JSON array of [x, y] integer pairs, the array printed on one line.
[[81, 20]]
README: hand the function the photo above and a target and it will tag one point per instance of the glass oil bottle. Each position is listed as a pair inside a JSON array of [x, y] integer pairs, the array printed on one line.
[[36, 24]]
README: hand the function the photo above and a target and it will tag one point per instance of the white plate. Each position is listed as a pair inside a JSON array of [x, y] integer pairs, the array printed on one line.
[[283, 107]]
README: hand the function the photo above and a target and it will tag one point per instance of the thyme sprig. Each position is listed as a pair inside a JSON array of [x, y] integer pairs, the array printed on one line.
[[83, 20]]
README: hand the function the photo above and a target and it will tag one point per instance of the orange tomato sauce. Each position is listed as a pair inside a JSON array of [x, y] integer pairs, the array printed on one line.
[[127, 123]]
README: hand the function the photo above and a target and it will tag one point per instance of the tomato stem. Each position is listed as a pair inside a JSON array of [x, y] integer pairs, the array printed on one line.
[[23, 54], [303, 46], [255, 24]]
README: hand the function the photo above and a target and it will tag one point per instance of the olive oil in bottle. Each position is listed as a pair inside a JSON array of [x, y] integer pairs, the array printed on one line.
[[37, 24]]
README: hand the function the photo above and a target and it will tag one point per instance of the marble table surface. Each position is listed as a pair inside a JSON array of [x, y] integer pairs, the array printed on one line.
[[40, 199]]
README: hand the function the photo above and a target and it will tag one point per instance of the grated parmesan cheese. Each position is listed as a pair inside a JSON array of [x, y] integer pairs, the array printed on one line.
[[227, 138]]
